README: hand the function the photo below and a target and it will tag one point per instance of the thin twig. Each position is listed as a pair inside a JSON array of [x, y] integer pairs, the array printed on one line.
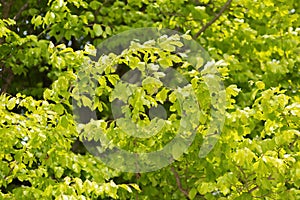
[[241, 169], [225, 6], [255, 188], [262, 196], [11, 170], [179, 182]]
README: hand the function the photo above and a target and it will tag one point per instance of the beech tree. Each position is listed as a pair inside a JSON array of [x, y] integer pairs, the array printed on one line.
[[254, 47]]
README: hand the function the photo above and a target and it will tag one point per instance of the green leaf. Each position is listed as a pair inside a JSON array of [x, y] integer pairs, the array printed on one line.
[[121, 92], [108, 30], [151, 84], [11, 103], [90, 49], [165, 62], [135, 186], [113, 79], [97, 29], [192, 193], [187, 37], [205, 187], [86, 101], [95, 5], [126, 187], [260, 85], [64, 121], [59, 171], [172, 97], [244, 196], [162, 95], [167, 46]]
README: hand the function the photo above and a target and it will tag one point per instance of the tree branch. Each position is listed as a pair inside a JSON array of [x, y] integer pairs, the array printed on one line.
[[185, 192], [6, 6], [225, 6], [16, 17]]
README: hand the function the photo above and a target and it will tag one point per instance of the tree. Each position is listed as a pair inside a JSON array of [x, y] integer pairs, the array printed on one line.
[[43, 45]]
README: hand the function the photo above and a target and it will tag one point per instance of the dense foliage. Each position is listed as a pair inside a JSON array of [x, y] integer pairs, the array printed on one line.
[[255, 46]]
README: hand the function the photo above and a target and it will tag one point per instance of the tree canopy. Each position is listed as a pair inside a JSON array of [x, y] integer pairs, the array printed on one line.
[[52, 75]]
